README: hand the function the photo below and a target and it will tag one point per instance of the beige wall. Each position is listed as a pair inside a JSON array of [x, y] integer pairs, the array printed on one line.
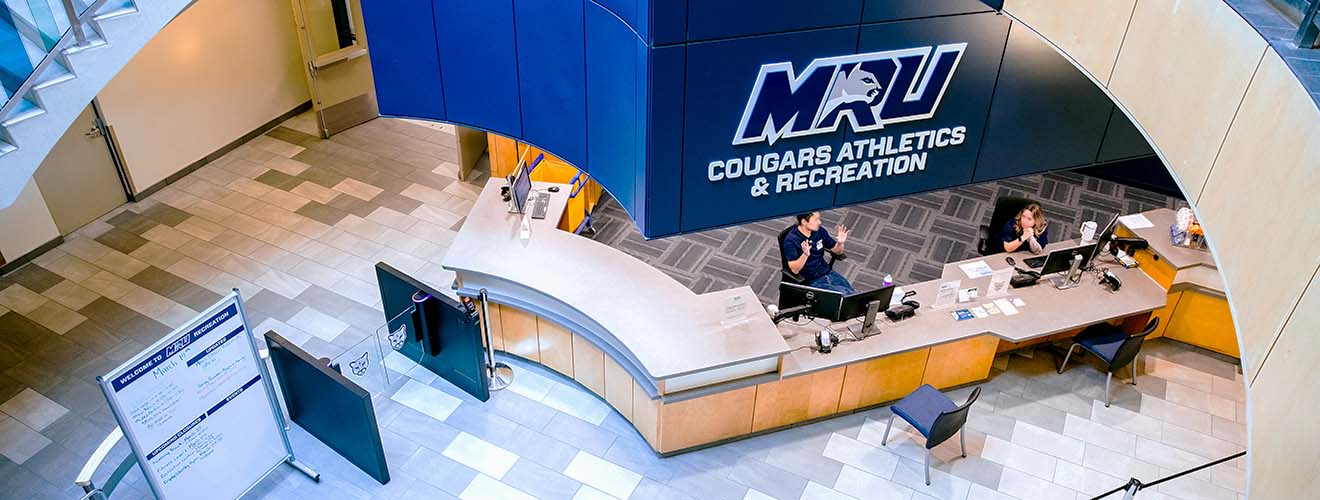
[[26, 224], [1242, 136], [218, 71]]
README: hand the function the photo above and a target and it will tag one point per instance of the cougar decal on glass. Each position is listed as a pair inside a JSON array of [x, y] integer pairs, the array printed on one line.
[[868, 91]]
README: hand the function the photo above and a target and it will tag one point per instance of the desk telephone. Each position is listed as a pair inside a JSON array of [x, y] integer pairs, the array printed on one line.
[[1021, 277], [905, 309]]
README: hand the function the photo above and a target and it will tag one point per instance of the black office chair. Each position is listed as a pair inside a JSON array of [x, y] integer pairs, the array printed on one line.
[[1112, 346], [1006, 207], [934, 415], [788, 274]]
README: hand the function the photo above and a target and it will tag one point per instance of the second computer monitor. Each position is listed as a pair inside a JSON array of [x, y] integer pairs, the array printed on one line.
[[1061, 260], [854, 305]]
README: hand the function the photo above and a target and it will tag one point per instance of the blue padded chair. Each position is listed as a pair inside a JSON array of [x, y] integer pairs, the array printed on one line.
[[1112, 346], [934, 415]]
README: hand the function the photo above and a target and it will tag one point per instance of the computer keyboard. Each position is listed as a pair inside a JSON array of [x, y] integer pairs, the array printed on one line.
[[1036, 262], [541, 205]]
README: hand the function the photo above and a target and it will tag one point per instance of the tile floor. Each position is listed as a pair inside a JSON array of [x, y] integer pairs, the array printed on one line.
[[296, 223]]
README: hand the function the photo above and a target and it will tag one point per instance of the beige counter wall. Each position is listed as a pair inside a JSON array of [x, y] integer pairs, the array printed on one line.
[[218, 71], [1242, 137]]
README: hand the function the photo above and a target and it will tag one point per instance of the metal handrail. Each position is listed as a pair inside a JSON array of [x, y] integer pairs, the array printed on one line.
[[1134, 485], [1306, 30], [94, 462], [75, 36]]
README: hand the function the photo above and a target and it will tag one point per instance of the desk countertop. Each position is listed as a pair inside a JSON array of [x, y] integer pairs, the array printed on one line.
[[666, 328], [1195, 267], [1047, 311]]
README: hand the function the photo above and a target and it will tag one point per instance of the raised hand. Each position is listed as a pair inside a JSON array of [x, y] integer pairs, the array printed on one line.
[[806, 246], [842, 232]]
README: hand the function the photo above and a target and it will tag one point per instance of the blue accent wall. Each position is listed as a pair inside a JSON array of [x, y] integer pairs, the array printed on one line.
[[652, 97], [479, 61], [552, 76]]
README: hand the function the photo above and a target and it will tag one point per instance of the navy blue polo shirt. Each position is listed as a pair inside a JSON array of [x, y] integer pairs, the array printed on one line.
[[820, 242], [1010, 233]]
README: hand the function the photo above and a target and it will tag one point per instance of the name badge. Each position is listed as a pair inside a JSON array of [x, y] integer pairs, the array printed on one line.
[[820, 244]]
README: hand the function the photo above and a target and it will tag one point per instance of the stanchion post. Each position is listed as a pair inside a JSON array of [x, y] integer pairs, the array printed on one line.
[[501, 374]]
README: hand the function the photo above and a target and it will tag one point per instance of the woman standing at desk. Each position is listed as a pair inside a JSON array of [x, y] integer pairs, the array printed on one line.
[[1028, 229]]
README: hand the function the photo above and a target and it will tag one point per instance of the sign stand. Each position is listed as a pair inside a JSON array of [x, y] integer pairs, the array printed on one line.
[[283, 422], [199, 370]]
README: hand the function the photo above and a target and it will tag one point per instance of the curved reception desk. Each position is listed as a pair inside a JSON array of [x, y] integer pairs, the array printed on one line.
[[689, 370]]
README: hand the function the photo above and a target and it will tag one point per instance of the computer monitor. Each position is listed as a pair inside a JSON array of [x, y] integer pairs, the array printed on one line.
[[819, 302], [866, 304], [522, 186], [1102, 240], [1061, 260], [854, 305]]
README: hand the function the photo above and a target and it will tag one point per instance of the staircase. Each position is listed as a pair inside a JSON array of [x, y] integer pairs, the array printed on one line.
[[55, 56]]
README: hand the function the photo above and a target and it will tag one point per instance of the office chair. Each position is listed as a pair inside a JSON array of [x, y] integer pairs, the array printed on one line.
[[792, 277], [1112, 346], [934, 415], [1006, 207]]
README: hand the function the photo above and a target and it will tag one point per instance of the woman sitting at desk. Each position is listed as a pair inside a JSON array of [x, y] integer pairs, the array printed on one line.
[[1028, 230]]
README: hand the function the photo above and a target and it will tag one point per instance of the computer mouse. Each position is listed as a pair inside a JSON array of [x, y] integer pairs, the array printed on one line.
[[553, 189]]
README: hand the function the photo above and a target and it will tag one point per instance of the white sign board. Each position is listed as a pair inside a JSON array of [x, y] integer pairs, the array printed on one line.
[[196, 410]]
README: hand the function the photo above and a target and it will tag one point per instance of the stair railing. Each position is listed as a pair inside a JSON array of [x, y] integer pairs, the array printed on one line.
[[75, 37]]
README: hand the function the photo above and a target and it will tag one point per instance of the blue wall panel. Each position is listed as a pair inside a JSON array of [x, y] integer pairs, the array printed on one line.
[[612, 121], [1122, 140], [1046, 115], [668, 21], [623, 9], [476, 42], [407, 68], [889, 10], [720, 77], [551, 76], [664, 174], [708, 19], [964, 103]]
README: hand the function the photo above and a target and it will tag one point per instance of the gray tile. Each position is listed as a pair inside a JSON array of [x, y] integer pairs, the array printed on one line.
[[768, 479], [34, 277], [18, 443], [121, 240], [279, 180], [576, 432], [292, 136], [324, 214], [159, 280], [438, 470], [132, 222], [33, 409], [165, 214], [540, 482]]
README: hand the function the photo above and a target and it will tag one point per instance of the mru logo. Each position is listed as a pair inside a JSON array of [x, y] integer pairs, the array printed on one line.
[[868, 90]]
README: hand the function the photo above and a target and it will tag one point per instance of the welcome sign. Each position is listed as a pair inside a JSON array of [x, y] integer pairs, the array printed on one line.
[[870, 113]]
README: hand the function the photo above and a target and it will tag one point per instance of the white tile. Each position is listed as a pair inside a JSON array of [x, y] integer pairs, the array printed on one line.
[[1222, 407], [1232, 478], [860, 484], [861, 455], [754, 494], [480, 455], [1186, 396], [602, 475], [1019, 457], [904, 441], [1119, 465], [1198, 421], [1229, 430], [421, 374], [979, 492], [1028, 487], [33, 409], [817, 491], [1100, 435], [399, 362], [1048, 442], [1231, 389], [426, 399], [1174, 372], [531, 385], [1079, 478], [1201, 444], [1126, 420], [576, 402], [942, 485], [585, 492], [318, 323], [483, 487], [18, 443], [1167, 456], [1190, 487]]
